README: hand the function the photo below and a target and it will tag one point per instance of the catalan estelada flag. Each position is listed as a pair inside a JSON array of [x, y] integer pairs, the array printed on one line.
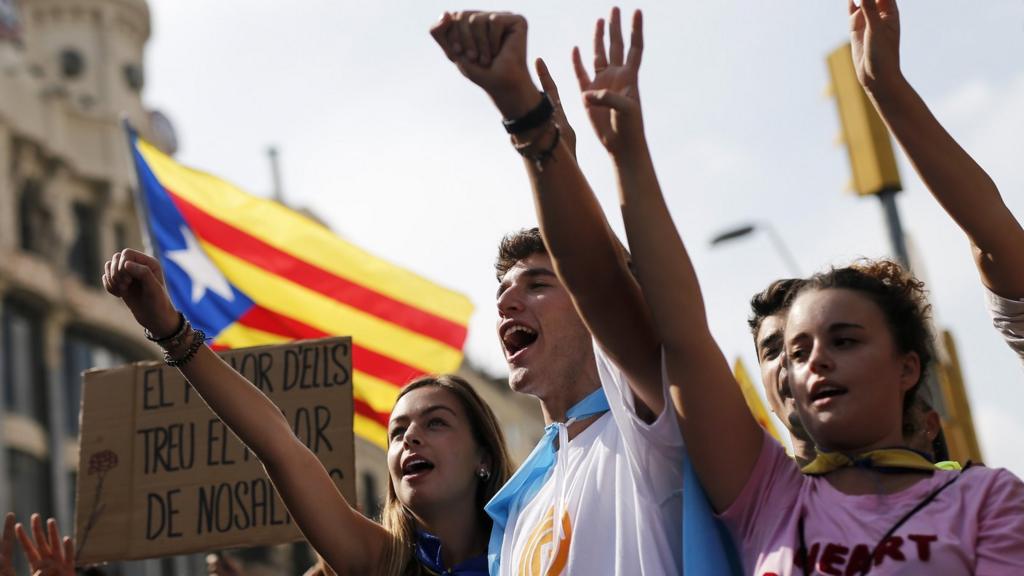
[[249, 272]]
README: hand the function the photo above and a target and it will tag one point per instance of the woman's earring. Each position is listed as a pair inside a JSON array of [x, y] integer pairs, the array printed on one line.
[[484, 474]]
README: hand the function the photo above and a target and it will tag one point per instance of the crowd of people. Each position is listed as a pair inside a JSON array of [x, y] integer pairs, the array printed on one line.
[[644, 418]]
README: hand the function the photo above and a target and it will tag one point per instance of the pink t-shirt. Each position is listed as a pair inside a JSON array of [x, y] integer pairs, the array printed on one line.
[[974, 526]]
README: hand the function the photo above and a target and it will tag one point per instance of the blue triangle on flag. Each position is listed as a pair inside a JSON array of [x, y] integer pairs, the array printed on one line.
[[196, 286]]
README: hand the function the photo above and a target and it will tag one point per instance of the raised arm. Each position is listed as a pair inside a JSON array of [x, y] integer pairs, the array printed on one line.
[[351, 543], [951, 175], [587, 256], [722, 438]]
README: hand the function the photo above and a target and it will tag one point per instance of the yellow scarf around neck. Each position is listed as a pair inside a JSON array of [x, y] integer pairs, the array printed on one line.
[[884, 459]]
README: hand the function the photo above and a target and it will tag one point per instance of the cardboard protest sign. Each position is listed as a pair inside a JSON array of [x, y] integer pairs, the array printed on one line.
[[159, 474]]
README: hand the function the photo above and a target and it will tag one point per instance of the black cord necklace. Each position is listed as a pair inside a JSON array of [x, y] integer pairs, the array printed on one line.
[[802, 552]]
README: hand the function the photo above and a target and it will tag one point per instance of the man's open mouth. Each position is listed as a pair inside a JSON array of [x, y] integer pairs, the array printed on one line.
[[517, 337]]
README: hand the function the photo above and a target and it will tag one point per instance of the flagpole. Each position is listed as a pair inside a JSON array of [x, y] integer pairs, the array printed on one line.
[[141, 207]]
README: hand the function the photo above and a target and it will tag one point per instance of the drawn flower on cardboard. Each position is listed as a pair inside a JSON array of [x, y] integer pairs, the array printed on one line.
[[99, 464], [102, 462]]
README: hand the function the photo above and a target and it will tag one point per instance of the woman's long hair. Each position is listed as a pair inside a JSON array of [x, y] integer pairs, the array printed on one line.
[[396, 518]]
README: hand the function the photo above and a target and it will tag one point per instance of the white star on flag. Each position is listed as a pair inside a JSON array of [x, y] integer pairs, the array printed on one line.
[[200, 270]]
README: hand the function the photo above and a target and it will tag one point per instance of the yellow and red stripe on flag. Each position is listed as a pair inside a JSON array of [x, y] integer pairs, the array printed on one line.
[[291, 278], [754, 399]]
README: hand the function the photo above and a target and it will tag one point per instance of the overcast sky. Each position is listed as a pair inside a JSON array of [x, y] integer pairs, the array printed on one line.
[[382, 137]]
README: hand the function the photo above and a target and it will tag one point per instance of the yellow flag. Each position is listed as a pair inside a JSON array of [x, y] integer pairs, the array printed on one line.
[[754, 399]]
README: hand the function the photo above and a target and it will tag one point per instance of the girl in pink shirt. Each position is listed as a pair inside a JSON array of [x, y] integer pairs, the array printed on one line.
[[858, 346], [857, 342]]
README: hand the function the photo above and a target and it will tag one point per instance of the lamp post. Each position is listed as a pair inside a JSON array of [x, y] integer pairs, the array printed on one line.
[[773, 236]]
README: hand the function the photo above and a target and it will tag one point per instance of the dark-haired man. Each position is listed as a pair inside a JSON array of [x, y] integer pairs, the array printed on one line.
[[611, 504], [601, 494]]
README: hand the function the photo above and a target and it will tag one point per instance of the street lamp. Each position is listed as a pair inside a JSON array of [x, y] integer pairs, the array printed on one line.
[[776, 240]]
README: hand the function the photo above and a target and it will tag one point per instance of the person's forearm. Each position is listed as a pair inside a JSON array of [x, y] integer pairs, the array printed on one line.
[[590, 261], [721, 435], [666, 273], [960, 185]]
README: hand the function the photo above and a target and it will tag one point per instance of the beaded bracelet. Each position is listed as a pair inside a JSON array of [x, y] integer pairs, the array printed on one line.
[[198, 339], [175, 339], [544, 155]]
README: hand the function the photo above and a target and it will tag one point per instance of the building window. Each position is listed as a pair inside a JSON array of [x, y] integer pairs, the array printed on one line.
[[83, 260], [30, 491], [35, 222], [82, 353], [24, 373]]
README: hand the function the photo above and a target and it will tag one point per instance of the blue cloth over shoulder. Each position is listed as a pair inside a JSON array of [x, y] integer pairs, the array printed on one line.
[[708, 549]]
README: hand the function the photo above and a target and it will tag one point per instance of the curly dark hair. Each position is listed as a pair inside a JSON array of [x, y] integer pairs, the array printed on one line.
[[522, 244], [902, 299], [516, 246], [774, 299]]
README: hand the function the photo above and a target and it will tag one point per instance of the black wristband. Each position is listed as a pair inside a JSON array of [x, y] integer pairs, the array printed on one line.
[[172, 339], [540, 114]]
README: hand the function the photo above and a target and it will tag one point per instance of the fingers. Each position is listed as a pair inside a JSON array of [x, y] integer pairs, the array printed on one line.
[[127, 266], [609, 99], [636, 41], [54, 542], [39, 535], [440, 32], [547, 83], [107, 276], [142, 259], [870, 10], [495, 31], [7, 540], [851, 6], [467, 41], [888, 8], [615, 47], [26, 544], [69, 549], [478, 25], [581, 71], [600, 58]]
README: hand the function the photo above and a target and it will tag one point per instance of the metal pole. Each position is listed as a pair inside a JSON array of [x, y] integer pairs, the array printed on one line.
[[780, 247], [892, 220], [275, 173]]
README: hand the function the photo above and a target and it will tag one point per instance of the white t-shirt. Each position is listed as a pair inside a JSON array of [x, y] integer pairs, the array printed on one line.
[[621, 498], [1008, 318]]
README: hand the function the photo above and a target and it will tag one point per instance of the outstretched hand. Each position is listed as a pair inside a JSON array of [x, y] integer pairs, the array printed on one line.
[[138, 279], [875, 38], [489, 48], [612, 97], [48, 555]]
